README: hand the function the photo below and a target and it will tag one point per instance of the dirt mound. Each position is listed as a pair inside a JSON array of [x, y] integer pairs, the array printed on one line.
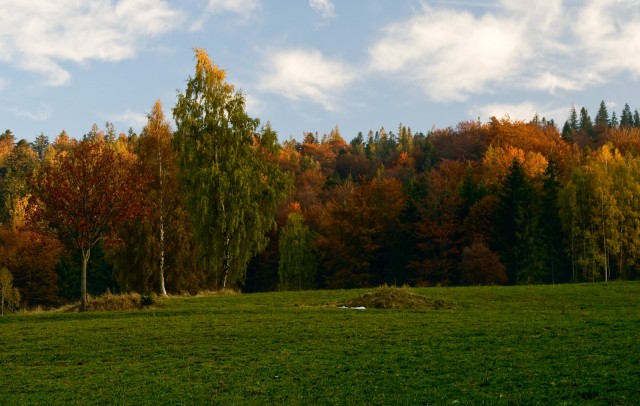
[[392, 297]]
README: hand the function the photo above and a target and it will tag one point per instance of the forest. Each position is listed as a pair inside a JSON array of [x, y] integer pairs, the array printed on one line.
[[219, 202]]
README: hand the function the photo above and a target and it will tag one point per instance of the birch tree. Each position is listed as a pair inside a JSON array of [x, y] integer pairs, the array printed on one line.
[[231, 186]]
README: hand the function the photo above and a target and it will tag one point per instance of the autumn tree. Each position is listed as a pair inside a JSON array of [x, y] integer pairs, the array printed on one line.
[[480, 266], [232, 188], [158, 251], [85, 197], [18, 167], [438, 228], [9, 296], [32, 259], [358, 234]]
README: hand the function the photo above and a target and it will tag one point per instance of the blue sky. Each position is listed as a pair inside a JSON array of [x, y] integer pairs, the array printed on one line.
[[311, 65]]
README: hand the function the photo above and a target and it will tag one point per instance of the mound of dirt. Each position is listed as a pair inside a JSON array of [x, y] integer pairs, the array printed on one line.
[[392, 297]]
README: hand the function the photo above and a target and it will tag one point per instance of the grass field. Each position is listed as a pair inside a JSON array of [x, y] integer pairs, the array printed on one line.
[[569, 344]]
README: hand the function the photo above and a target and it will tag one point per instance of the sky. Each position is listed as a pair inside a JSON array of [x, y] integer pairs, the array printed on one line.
[[314, 65]]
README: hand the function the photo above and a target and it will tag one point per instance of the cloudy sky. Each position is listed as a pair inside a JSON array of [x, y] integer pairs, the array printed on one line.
[[311, 65]]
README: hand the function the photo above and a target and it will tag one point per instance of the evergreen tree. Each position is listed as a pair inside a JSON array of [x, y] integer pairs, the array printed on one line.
[[626, 119], [602, 119], [551, 227], [571, 125], [586, 126], [614, 120], [517, 229], [232, 186]]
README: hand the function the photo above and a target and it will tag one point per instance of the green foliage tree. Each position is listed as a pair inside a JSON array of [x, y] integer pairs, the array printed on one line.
[[601, 215], [232, 186], [9, 296], [298, 264]]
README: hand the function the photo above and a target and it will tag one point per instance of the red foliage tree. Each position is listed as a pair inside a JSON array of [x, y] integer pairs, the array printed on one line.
[[86, 196]]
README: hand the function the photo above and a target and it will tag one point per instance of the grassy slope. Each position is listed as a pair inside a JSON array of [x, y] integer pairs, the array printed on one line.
[[568, 344]]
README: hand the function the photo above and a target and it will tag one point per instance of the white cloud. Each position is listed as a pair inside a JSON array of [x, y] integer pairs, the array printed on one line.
[[551, 82], [129, 118], [324, 7], [41, 35], [306, 74], [522, 111], [42, 113], [254, 105], [244, 9], [519, 45], [452, 54], [608, 32]]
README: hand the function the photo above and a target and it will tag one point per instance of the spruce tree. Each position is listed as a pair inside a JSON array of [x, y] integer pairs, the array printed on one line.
[[586, 126], [602, 119], [626, 119], [517, 230]]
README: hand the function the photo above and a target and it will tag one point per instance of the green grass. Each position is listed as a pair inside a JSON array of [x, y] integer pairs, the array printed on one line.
[[570, 344]]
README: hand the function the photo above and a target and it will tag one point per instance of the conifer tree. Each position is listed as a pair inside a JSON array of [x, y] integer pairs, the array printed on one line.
[[602, 119], [626, 119], [517, 229], [586, 126]]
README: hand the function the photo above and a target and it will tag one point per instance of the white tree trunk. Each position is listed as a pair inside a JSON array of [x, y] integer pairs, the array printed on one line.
[[163, 291]]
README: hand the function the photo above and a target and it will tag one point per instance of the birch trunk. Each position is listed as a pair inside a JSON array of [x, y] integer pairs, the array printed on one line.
[[163, 290]]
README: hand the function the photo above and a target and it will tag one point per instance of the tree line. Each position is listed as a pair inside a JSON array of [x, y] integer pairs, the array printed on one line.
[[218, 202]]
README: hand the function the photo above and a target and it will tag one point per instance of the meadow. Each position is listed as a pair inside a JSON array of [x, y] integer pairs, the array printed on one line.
[[563, 344]]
